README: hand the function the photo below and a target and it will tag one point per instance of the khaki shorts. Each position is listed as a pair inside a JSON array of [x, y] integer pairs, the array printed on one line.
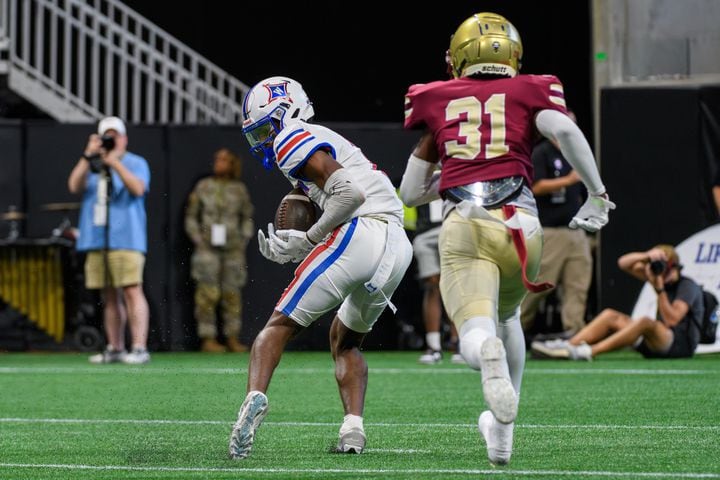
[[427, 255], [126, 269]]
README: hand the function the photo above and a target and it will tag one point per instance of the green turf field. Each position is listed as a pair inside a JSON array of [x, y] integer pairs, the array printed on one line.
[[618, 417]]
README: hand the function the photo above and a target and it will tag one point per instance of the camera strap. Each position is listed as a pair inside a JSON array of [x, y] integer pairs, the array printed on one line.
[[101, 202]]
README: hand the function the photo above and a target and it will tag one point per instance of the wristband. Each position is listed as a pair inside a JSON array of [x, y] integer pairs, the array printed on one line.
[[659, 291]]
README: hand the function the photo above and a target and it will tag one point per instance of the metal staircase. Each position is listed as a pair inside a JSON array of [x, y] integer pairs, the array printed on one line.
[[79, 60]]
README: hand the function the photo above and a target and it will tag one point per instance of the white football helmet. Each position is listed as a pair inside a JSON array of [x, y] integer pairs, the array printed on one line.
[[270, 106]]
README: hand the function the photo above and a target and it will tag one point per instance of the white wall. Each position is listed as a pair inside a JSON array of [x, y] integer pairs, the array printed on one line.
[[653, 42]]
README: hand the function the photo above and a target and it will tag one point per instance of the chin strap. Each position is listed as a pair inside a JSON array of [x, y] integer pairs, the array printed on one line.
[[519, 241], [269, 158]]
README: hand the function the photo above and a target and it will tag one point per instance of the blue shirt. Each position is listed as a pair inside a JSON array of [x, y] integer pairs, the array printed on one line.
[[127, 217]]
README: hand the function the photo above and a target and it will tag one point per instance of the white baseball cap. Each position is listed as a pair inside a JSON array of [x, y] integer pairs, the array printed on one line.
[[111, 123]]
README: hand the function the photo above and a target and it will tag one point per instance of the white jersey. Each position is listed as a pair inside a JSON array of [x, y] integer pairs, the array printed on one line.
[[296, 144]]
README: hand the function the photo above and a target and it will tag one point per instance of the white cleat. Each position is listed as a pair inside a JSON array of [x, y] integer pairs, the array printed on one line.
[[498, 391], [352, 440], [561, 349], [138, 356], [457, 359], [580, 352], [554, 349], [430, 357], [251, 414], [108, 356], [498, 438]]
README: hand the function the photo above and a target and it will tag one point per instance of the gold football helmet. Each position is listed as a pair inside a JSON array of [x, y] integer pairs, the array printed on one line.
[[485, 43]]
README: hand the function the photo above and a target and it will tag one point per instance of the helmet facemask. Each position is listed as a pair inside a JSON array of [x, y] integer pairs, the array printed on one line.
[[261, 136], [269, 107]]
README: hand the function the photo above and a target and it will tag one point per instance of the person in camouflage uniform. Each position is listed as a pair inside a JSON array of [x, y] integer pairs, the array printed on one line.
[[219, 222]]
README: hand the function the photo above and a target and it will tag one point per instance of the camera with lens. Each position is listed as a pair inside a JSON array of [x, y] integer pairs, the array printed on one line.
[[108, 142], [658, 267], [96, 163]]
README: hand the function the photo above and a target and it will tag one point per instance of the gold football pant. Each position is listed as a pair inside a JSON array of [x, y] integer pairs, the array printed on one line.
[[481, 274]]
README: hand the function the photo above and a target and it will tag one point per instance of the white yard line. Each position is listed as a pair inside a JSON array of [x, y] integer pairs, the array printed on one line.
[[353, 471], [616, 371], [395, 450], [132, 421], [178, 370]]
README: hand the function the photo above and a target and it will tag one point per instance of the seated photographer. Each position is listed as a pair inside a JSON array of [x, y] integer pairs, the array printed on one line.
[[673, 334]]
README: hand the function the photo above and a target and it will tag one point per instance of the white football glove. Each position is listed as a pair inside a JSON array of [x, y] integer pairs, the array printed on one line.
[[593, 215], [268, 248], [293, 244]]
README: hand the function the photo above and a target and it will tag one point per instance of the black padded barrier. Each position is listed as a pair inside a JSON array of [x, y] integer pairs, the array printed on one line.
[[11, 170], [178, 156], [658, 151]]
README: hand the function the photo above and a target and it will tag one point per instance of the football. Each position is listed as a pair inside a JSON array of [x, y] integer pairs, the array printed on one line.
[[296, 211]]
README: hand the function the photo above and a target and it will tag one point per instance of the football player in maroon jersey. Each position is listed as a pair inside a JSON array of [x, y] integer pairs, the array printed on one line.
[[481, 126]]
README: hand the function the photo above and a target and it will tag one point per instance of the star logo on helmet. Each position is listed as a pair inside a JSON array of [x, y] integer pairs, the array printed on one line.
[[496, 46], [277, 90]]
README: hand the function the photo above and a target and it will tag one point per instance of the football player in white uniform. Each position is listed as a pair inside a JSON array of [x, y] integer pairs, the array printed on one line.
[[354, 255]]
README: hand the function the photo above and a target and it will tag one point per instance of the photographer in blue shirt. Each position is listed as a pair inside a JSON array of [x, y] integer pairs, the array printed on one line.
[[113, 233]]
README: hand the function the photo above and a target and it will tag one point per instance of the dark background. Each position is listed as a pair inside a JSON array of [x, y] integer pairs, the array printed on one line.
[[356, 60], [40, 155], [659, 145], [660, 152], [658, 171]]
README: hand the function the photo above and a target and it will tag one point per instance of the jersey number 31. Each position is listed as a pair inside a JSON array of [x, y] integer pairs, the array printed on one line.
[[470, 127]]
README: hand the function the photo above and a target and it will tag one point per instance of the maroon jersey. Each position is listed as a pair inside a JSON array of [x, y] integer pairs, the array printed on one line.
[[483, 129]]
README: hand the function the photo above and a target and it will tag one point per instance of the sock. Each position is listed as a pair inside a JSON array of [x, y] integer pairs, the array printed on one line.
[[473, 334], [511, 333], [352, 421], [432, 339]]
